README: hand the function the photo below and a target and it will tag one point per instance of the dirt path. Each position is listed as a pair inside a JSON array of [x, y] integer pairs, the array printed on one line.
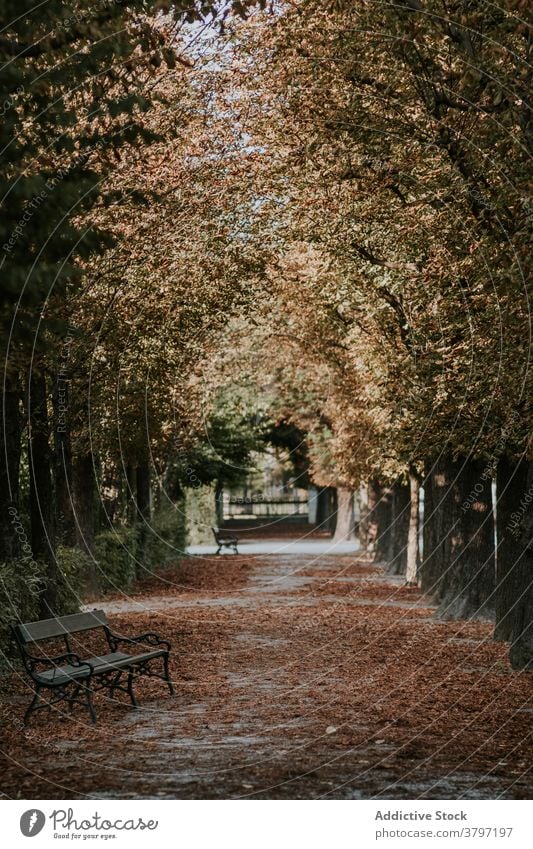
[[296, 677]]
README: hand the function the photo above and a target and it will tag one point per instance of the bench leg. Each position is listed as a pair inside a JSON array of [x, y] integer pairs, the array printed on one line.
[[218, 550], [167, 674], [73, 697], [131, 694], [31, 707], [115, 685], [90, 706]]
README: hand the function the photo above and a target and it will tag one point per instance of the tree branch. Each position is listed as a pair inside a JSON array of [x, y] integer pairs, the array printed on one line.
[[370, 257]]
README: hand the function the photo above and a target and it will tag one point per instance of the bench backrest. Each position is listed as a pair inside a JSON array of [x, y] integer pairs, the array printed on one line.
[[46, 629]]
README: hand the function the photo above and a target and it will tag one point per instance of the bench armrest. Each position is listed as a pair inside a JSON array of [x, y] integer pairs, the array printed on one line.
[[150, 639], [69, 657]]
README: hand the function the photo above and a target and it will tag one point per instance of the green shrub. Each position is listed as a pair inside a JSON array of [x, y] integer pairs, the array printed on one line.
[[21, 582], [201, 515], [164, 540], [115, 552], [73, 564]]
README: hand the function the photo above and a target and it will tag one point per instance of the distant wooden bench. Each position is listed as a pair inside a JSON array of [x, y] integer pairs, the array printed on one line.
[[224, 540], [74, 679]]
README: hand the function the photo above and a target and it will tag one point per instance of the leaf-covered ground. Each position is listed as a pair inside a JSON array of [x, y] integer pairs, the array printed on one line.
[[295, 678]]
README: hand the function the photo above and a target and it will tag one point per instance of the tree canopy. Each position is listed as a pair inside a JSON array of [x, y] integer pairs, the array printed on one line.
[[320, 208]]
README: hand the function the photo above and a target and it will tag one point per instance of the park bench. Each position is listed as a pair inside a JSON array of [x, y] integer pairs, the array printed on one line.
[[74, 678], [224, 540]]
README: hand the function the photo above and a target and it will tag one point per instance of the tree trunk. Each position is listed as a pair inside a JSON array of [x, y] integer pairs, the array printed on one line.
[[10, 448], [399, 528], [219, 504], [521, 652], [333, 503], [362, 527], [432, 567], [41, 494], [143, 492], [469, 592], [131, 498], [326, 509], [345, 527], [110, 495], [383, 511], [458, 566], [321, 508], [85, 498], [511, 484], [66, 526], [373, 491], [413, 560], [143, 507]]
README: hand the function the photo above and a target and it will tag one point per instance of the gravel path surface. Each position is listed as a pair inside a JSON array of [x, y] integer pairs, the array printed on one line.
[[297, 676]]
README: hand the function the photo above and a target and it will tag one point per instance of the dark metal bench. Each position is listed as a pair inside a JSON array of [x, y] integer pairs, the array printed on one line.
[[72, 678], [224, 540]]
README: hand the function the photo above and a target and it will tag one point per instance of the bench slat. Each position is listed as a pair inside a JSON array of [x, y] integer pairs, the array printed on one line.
[[30, 632], [106, 663]]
